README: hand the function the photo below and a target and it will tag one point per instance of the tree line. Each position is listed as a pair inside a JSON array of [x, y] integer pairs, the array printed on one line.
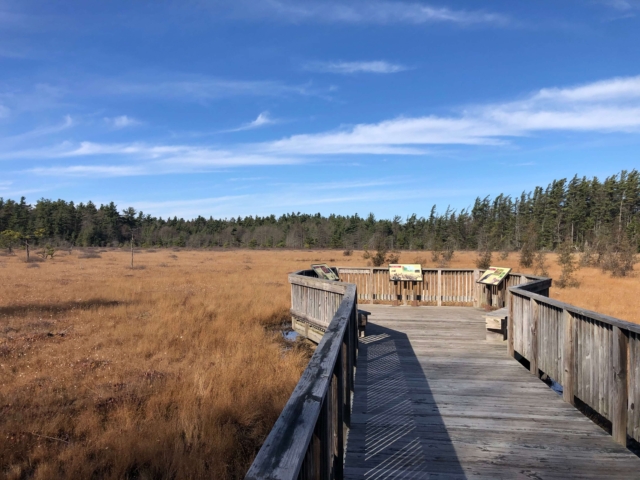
[[586, 212]]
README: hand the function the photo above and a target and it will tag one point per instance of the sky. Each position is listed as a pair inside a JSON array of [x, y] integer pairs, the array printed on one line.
[[233, 108]]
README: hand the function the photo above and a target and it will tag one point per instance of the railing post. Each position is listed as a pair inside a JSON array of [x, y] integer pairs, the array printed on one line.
[[534, 311], [568, 356], [510, 320], [371, 286], [476, 290], [439, 287], [620, 387]]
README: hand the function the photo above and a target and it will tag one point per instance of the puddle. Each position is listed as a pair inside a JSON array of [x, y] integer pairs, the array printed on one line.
[[290, 335]]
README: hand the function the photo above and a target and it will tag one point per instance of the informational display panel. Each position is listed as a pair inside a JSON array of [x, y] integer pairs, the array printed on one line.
[[494, 275], [323, 271], [405, 272]]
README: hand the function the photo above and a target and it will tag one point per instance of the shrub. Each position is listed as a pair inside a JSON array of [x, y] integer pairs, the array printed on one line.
[[347, 253], [528, 250], [619, 256], [393, 257], [568, 265], [540, 264], [484, 259], [90, 255]]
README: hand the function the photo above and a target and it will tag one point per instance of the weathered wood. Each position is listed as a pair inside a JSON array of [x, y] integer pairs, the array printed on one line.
[[534, 323], [304, 439], [510, 327], [620, 386], [439, 287], [568, 352], [318, 283], [434, 401]]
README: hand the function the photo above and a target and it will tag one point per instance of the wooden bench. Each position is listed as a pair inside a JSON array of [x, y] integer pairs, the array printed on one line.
[[496, 324]]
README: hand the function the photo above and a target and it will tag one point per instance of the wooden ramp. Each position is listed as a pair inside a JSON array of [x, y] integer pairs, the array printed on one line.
[[434, 400]]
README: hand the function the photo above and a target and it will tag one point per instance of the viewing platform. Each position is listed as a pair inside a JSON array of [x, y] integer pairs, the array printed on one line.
[[433, 399], [427, 393]]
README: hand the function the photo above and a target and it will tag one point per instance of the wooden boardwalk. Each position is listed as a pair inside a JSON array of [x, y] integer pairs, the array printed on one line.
[[434, 400]]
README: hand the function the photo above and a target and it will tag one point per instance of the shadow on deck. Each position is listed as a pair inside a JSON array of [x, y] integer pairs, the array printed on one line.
[[433, 399]]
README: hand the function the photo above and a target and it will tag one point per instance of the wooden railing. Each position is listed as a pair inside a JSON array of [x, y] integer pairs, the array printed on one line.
[[309, 438], [439, 286], [596, 358]]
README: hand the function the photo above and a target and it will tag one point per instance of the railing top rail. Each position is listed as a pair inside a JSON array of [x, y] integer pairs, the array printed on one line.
[[298, 278], [423, 269], [283, 452], [522, 290]]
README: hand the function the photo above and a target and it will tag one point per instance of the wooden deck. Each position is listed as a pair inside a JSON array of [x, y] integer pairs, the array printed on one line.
[[434, 400]]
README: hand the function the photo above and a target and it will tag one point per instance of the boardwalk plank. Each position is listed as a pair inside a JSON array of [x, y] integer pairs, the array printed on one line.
[[434, 400]]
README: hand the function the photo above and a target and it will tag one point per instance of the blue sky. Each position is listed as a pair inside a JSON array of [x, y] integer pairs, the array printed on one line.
[[229, 108]]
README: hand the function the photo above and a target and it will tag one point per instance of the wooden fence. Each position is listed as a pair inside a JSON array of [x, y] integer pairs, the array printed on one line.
[[596, 358], [309, 438], [439, 287]]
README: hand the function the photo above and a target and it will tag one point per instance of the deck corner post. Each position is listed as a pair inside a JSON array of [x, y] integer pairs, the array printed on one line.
[[620, 386], [534, 322], [568, 355], [510, 320], [439, 287]]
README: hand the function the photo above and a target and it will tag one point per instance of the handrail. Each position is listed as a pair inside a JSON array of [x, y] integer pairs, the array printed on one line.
[[309, 437], [594, 357]]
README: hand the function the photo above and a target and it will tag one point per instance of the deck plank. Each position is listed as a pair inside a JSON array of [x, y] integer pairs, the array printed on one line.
[[433, 399]]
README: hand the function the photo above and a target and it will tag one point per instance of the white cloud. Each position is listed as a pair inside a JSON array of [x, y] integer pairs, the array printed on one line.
[[149, 159], [600, 107], [607, 106], [377, 66], [621, 5], [261, 120], [286, 195], [366, 12], [122, 121], [200, 88]]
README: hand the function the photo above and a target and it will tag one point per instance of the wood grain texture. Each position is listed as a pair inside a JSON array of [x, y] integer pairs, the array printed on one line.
[[434, 400]]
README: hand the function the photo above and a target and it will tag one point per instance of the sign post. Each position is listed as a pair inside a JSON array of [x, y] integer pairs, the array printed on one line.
[[493, 276]]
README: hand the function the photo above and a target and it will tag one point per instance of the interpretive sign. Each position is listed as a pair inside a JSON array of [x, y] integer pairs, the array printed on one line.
[[405, 272], [494, 275], [323, 271]]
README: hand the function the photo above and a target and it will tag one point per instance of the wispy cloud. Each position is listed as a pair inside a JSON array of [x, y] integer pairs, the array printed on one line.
[[377, 66], [374, 12], [42, 131], [131, 159], [288, 195], [4, 111], [261, 120], [607, 106], [621, 5], [122, 121], [200, 88]]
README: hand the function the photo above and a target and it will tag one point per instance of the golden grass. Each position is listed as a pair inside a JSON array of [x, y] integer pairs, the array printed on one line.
[[161, 372], [172, 370]]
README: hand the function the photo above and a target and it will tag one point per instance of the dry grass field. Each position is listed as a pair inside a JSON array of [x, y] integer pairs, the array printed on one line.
[[176, 369]]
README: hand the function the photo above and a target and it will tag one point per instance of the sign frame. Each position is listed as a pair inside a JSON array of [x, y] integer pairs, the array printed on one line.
[[405, 272], [494, 275], [324, 271]]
